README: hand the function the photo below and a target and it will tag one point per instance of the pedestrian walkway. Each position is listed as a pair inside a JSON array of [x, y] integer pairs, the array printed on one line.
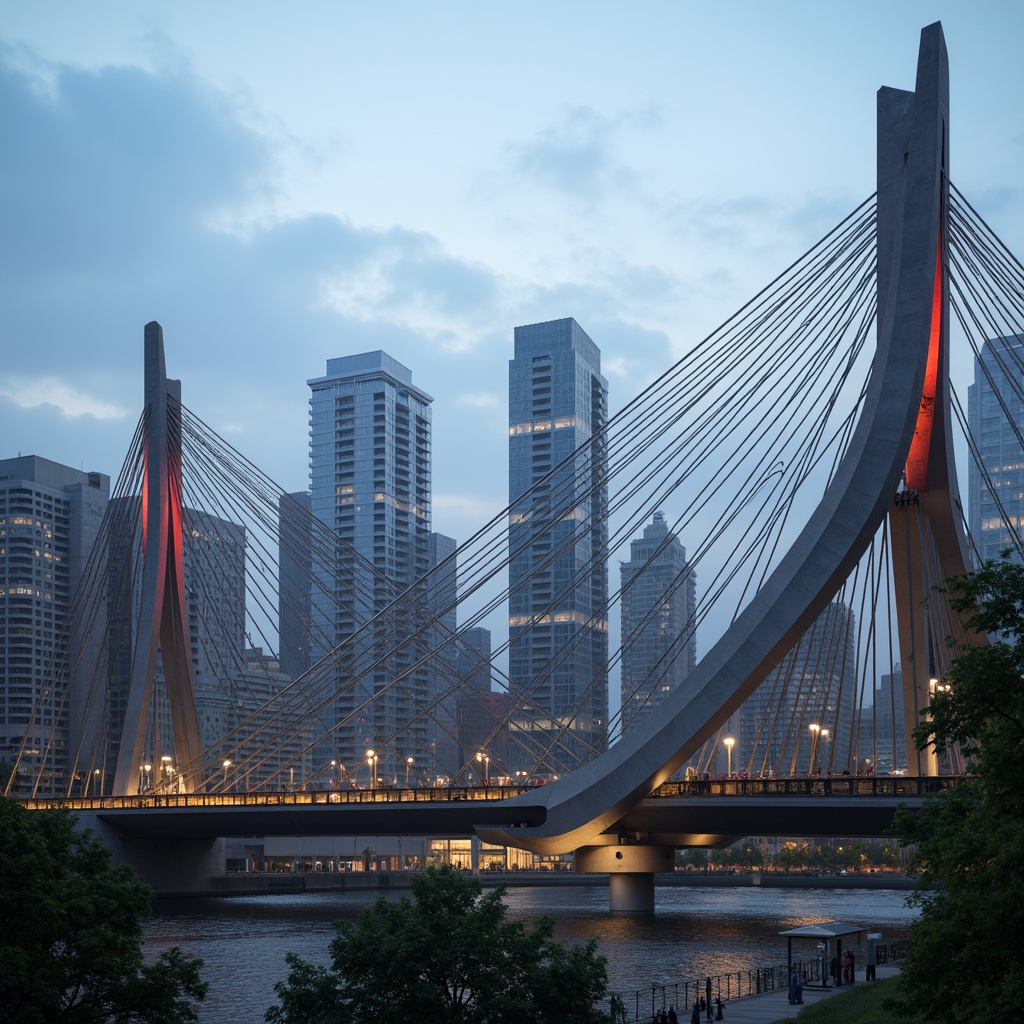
[[769, 1007]]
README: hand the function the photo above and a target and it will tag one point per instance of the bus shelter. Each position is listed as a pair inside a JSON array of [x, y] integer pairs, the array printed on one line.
[[828, 936]]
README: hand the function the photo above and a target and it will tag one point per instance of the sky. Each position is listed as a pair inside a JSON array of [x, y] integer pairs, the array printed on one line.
[[283, 183]]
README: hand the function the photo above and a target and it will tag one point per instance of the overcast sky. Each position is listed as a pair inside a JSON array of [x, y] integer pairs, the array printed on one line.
[[283, 183]]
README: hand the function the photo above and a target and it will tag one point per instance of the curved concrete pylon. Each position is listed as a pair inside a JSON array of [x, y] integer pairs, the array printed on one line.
[[591, 799]]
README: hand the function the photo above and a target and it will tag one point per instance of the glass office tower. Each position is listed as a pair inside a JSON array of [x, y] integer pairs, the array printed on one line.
[[995, 405], [558, 536], [659, 638]]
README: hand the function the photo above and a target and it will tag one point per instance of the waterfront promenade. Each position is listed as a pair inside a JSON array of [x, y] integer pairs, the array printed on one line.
[[774, 1006]]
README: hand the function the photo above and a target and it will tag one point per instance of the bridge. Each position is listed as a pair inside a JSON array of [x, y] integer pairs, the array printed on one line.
[[814, 472], [710, 812]]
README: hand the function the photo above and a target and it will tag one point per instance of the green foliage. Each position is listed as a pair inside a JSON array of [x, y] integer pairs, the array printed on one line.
[[696, 857], [862, 1004], [71, 945], [447, 955], [964, 952]]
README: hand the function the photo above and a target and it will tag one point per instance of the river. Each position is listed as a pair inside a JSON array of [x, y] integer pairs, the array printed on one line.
[[694, 932]]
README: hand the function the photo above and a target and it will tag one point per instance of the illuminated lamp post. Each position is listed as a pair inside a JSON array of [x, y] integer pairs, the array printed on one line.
[[486, 758], [815, 730], [226, 764], [408, 765], [728, 741], [371, 762], [824, 740]]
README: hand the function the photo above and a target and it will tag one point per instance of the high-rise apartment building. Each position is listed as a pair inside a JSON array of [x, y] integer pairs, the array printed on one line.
[[370, 483], [558, 537], [659, 603], [995, 404], [800, 718], [49, 518]]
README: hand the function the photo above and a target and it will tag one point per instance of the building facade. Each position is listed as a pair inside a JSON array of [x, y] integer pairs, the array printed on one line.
[[800, 719], [370, 436], [558, 537], [50, 516], [659, 603], [995, 404]]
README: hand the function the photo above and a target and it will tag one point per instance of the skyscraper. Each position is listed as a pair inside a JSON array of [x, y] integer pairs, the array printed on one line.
[[49, 518], [800, 718], [370, 482], [995, 403], [558, 537], [659, 602], [442, 587]]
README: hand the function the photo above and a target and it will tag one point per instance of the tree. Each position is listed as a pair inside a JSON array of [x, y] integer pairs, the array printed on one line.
[[964, 950], [71, 944], [447, 955]]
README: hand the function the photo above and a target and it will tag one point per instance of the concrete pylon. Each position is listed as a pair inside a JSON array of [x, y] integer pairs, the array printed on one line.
[[926, 523], [163, 618], [913, 142]]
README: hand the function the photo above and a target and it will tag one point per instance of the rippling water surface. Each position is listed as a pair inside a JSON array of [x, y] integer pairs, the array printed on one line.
[[694, 932]]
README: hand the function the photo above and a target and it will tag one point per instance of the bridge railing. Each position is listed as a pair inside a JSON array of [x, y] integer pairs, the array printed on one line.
[[826, 785], [833, 785], [641, 1005], [296, 798]]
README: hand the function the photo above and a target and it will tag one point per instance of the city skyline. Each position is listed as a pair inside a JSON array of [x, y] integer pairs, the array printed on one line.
[[162, 169]]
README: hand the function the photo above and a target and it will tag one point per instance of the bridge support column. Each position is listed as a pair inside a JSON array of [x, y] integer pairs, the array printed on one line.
[[630, 871]]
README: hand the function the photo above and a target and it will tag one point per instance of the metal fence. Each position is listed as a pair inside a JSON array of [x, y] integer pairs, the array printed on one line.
[[643, 1004]]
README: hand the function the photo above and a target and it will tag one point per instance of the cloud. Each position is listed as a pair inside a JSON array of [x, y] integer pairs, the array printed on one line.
[[577, 154], [71, 402], [128, 195], [480, 399]]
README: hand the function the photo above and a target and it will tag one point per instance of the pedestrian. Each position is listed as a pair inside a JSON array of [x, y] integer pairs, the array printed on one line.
[[833, 969], [695, 1015], [707, 998], [673, 1018], [849, 967], [792, 985]]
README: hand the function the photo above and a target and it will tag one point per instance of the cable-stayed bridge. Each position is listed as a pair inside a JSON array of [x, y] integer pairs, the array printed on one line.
[[805, 453]]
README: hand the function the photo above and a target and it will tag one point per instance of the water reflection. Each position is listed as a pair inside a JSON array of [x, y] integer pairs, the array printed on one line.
[[695, 932]]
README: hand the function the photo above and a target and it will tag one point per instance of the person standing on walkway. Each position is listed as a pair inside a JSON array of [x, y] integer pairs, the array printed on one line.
[[707, 998], [796, 986], [695, 1015], [672, 1017]]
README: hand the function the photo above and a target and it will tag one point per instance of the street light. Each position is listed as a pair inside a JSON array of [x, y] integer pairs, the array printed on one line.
[[408, 765], [371, 762], [226, 765], [815, 729], [729, 741], [824, 740], [486, 758], [99, 782]]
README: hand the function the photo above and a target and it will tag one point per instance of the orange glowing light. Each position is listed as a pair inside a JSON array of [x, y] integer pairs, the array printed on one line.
[[917, 459]]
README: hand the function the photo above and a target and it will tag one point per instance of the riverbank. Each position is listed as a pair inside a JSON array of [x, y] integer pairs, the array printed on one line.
[[262, 883]]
